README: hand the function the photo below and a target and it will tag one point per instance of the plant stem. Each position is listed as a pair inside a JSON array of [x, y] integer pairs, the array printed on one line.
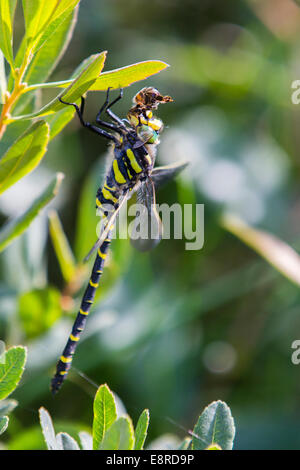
[[18, 90]]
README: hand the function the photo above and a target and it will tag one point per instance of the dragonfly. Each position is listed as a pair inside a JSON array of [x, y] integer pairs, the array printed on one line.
[[134, 146]]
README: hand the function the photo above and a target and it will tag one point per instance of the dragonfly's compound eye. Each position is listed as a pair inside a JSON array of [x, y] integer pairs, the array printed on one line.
[[147, 134]]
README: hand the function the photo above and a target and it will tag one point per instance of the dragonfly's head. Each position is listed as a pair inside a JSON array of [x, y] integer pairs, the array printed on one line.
[[141, 116], [149, 98]]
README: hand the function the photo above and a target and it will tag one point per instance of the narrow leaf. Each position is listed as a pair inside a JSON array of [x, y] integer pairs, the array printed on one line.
[[215, 426], [278, 253], [61, 246], [11, 370], [66, 442], [7, 9], [48, 429], [125, 76], [105, 414], [60, 14], [17, 226], [117, 78], [86, 440], [3, 84], [120, 436], [186, 443], [3, 424], [78, 87], [141, 430], [24, 155]]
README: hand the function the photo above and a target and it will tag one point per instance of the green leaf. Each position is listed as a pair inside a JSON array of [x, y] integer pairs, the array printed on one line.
[[78, 87], [45, 60], [24, 155], [186, 444], [12, 369], [48, 429], [278, 253], [30, 306], [117, 78], [17, 226], [213, 447], [105, 414], [3, 424], [214, 426], [125, 76], [7, 10], [60, 14], [61, 246], [120, 436], [66, 442], [3, 84], [43, 18], [141, 430], [7, 406]]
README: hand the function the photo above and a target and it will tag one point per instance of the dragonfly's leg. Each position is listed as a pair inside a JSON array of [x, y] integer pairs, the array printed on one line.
[[86, 124], [112, 115], [106, 107]]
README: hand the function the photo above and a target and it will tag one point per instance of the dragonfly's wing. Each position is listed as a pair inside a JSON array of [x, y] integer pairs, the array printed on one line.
[[147, 227], [163, 174], [110, 221]]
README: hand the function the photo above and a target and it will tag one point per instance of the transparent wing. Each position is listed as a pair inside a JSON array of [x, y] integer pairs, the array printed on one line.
[[163, 174], [110, 221], [146, 230]]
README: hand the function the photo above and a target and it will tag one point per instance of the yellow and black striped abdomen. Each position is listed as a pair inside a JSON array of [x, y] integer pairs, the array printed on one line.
[[65, 360]]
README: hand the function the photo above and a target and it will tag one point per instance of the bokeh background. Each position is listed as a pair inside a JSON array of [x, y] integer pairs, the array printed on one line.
[[173, 330]]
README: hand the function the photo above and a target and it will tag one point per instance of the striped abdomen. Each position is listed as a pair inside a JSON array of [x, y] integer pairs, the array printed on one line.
[[65, 360], [128, 166]]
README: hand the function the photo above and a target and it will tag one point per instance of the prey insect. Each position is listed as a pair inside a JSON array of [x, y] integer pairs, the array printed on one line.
[[134, 143]]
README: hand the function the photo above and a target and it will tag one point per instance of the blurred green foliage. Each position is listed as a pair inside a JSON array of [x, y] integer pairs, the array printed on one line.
[[172, 330]]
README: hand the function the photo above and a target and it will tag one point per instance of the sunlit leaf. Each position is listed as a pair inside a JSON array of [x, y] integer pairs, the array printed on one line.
[[17, 226], [105, 414], [43, 18], [120, 435], [48, 429], [45, 60], [11, 370], [7, 9], [278, 253], [125, 76], [62, 248], [215, 426], [78, 87], [141, 430], [24, 155]]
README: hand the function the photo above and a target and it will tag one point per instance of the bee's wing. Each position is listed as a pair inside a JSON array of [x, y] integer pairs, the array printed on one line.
[[163, 174], [146, 232], [110, 221]]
